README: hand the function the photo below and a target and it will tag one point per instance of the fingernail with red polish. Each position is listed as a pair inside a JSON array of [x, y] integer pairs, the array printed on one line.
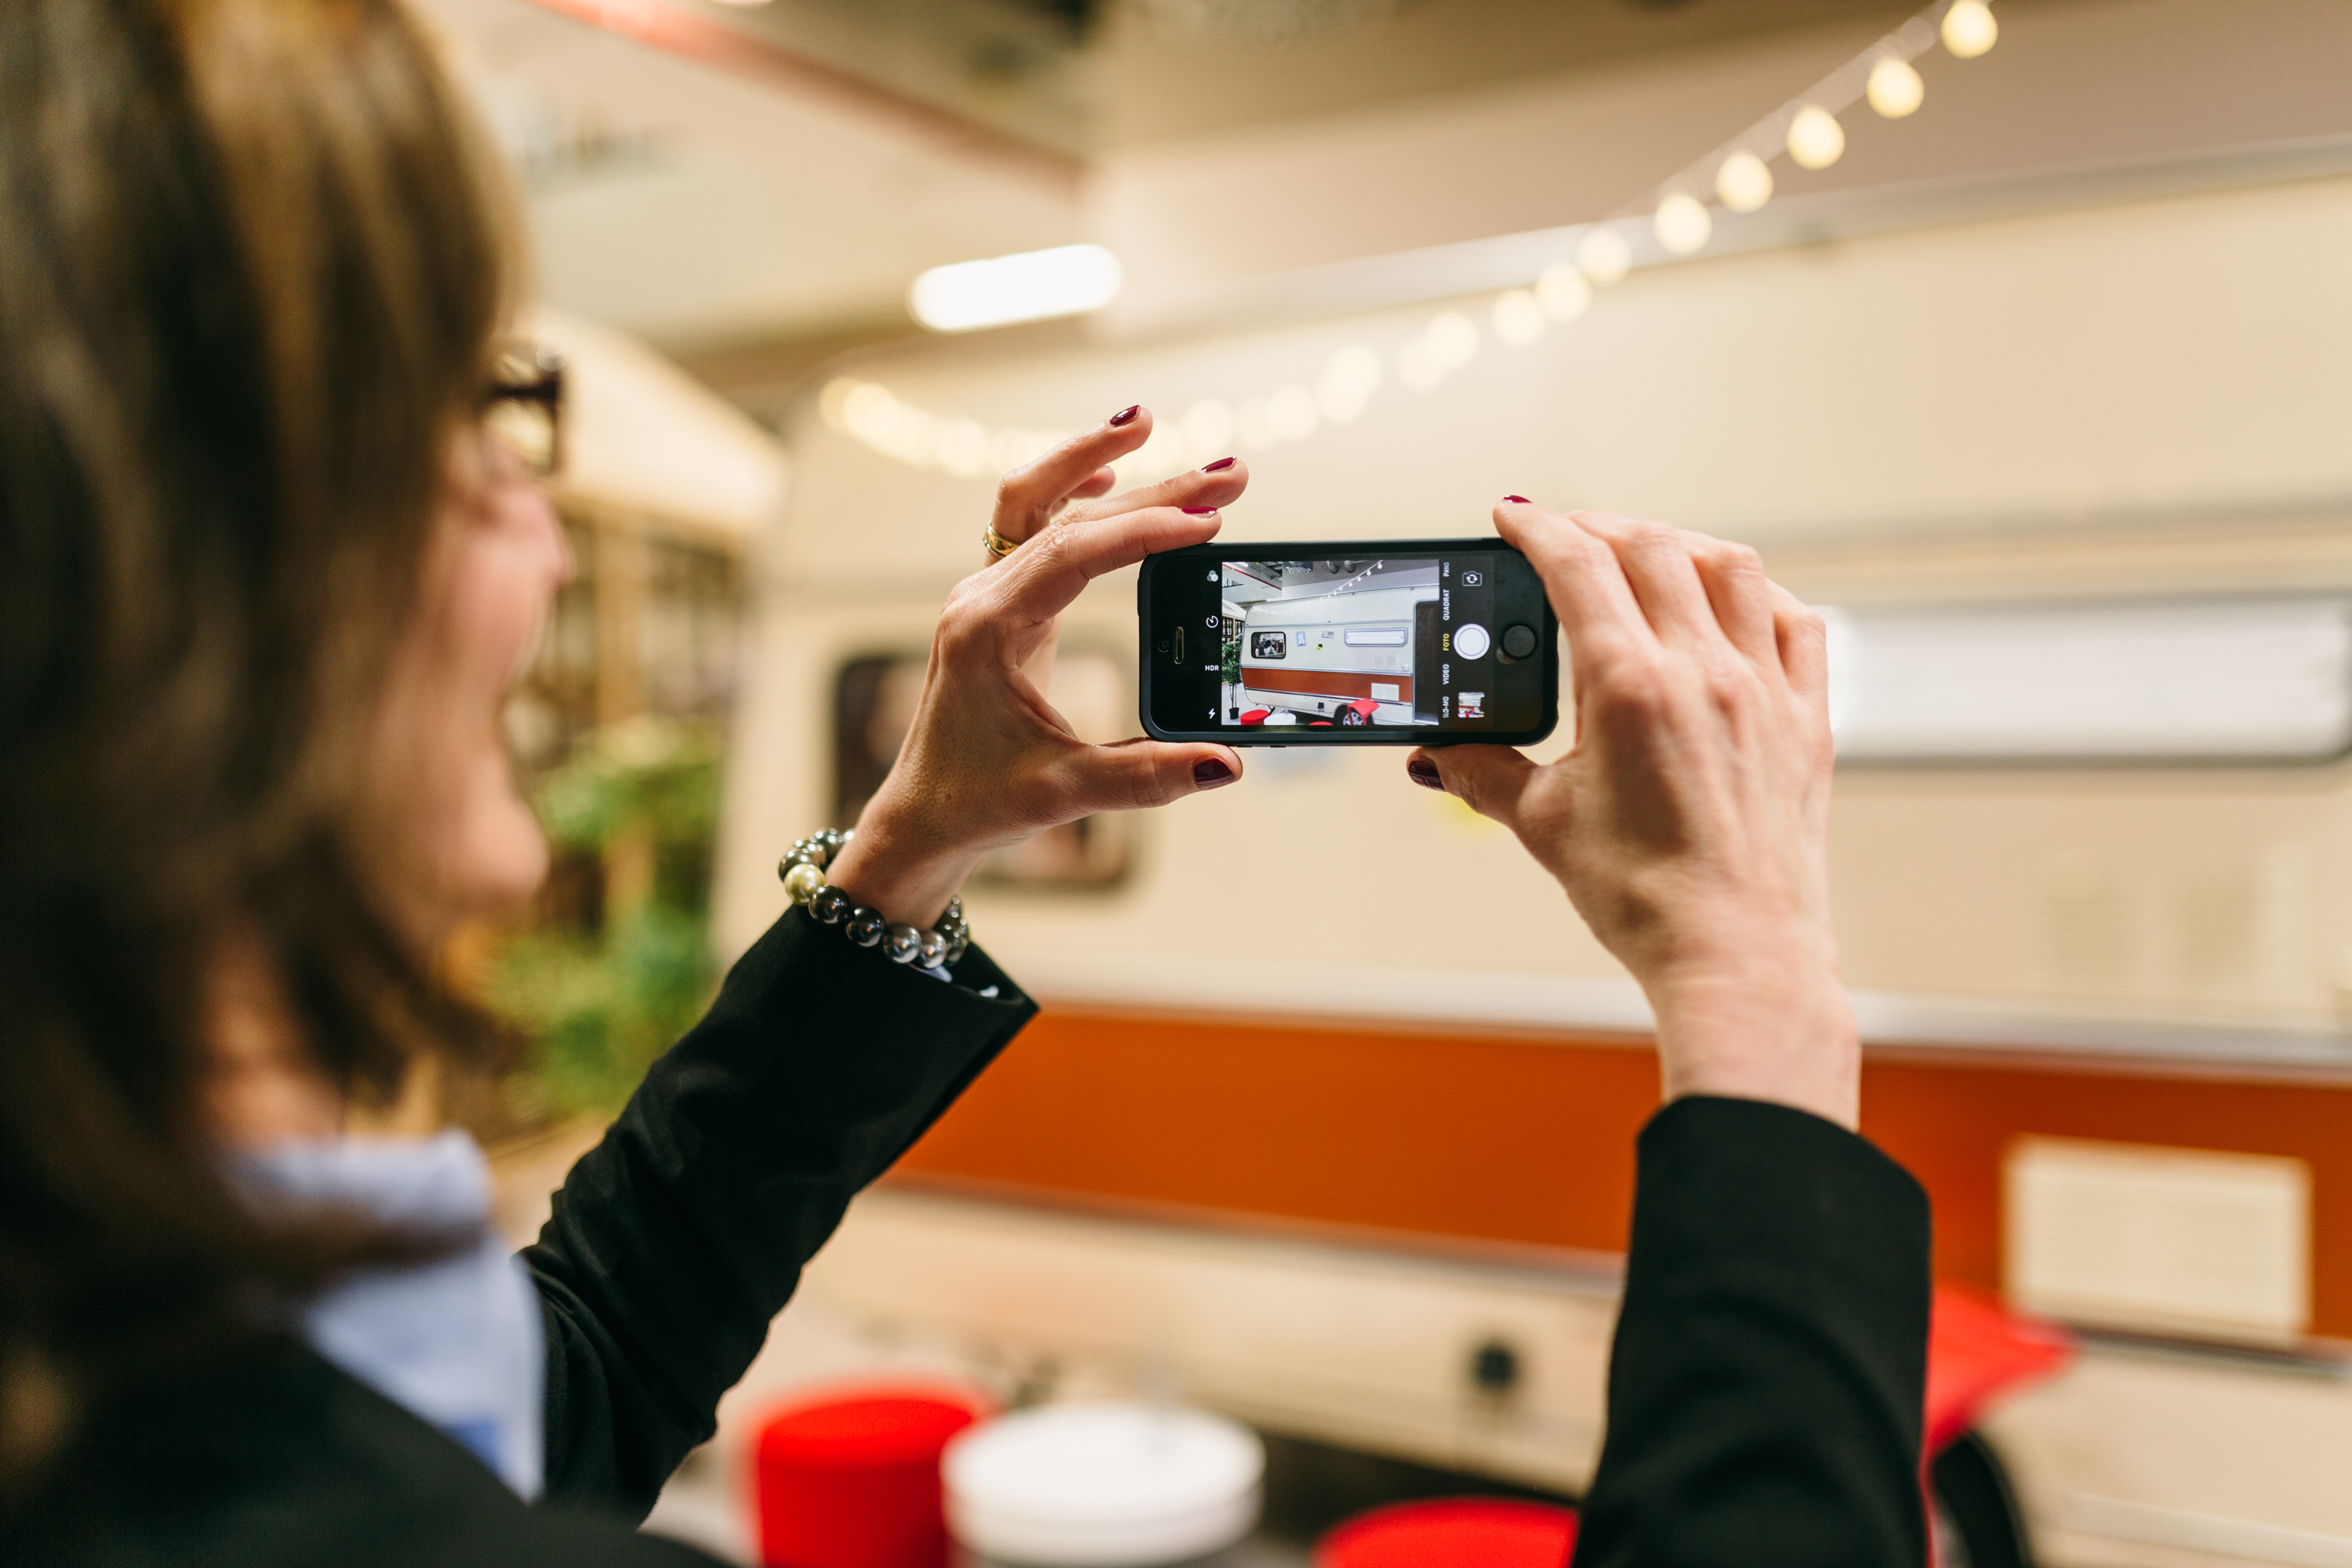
[[1219, 467], [1424, 772], [1127, 414], [1521, 500], [1212, 772], [1200, 511]]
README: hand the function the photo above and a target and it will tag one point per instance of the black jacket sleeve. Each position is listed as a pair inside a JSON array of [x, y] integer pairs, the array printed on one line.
[[1766, 1384], [677, 1238]]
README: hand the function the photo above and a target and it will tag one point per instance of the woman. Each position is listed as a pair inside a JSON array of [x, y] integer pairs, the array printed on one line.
[[265, 580]]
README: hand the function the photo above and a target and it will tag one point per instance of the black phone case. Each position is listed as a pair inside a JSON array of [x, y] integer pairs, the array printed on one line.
[[1378, 736]]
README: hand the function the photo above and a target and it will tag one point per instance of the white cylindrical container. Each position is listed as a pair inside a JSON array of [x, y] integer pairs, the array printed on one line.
[[1102, 1485]]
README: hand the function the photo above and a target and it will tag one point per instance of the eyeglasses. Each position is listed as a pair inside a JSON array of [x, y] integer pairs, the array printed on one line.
[[524, 405]]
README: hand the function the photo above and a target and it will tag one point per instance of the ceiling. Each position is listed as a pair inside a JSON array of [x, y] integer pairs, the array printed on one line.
[[752, 188], [723, 179], [702, 201], [1077, 76]]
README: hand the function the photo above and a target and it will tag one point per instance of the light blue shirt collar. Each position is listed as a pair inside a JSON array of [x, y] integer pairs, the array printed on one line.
[[457, 1339]]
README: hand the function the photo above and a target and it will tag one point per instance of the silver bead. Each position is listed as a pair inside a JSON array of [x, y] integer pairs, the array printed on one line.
[[864, 927], [957, 948], [831, 906], [803, 882], [931, 951], [901, 941]]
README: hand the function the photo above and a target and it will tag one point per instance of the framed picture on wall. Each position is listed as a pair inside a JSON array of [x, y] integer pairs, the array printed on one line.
[[1093, 688]]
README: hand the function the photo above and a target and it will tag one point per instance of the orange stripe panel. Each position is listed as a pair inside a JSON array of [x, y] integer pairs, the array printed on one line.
[[1531, 1141], [1325, 682]]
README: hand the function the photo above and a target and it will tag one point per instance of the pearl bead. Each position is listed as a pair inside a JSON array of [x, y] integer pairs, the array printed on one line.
[[864, 928], [930, 950], [901, 941], [803, 882], [831, 905]]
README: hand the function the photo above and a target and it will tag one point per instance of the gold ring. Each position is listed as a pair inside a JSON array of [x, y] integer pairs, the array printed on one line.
[[996, 544]]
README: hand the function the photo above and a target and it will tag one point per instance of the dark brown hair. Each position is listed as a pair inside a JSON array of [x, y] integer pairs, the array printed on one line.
[[251, 265]]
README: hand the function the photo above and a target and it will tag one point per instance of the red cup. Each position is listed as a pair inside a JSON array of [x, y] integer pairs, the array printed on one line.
[[1452, 1532], [853, 1481]]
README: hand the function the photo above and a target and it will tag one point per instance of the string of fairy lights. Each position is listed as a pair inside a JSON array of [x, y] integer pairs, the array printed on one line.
[[1737, 177]]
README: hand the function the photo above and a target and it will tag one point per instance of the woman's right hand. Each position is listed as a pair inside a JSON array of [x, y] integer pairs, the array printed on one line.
[[1689, 824], [987, 761]]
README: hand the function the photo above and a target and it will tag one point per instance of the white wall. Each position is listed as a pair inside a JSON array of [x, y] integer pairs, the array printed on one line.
[[2157, 394]]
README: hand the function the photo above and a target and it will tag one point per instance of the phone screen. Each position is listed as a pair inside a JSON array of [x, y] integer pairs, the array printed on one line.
[[1284, 644], [1402, 643]]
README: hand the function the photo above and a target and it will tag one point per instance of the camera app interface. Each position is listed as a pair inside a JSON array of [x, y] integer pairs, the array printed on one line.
[[1345, 643]]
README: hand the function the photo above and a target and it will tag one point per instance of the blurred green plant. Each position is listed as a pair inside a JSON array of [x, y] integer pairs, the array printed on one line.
[[603, 988]]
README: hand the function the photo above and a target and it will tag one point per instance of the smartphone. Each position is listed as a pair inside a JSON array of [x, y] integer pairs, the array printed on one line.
[[1360, 642]]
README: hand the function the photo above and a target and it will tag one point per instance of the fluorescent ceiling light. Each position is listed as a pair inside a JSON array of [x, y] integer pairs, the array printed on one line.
[[1029, 287], [2266, 680]]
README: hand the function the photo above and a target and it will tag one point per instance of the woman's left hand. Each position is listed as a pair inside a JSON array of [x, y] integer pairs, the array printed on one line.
[[987, 762]]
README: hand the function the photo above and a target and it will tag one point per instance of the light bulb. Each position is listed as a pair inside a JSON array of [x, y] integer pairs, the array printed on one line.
[[1065, 281], [1895, 88], [1604, 254], [1348, 383], [1815, 138], [1681, 223], [1208, 425], [833, 401], [1293, 414], [1970, 29], [1564, 291], [1745, 182], [1452, 339], [1518, 318], [963, 448], [868, 412]]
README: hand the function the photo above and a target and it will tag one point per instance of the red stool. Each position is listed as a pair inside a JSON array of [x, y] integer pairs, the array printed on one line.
[[1976, 1350], [1452, 1532], [853, 1482]]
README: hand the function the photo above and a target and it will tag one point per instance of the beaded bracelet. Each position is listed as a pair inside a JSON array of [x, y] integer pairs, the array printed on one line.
[[803, 870]]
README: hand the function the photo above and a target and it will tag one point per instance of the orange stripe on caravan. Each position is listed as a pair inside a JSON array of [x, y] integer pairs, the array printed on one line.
[[1324, 682], [1531, 1140]]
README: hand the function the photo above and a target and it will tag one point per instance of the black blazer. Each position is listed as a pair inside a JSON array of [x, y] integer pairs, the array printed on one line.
[[1764, 1400], [1767, 1386]]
